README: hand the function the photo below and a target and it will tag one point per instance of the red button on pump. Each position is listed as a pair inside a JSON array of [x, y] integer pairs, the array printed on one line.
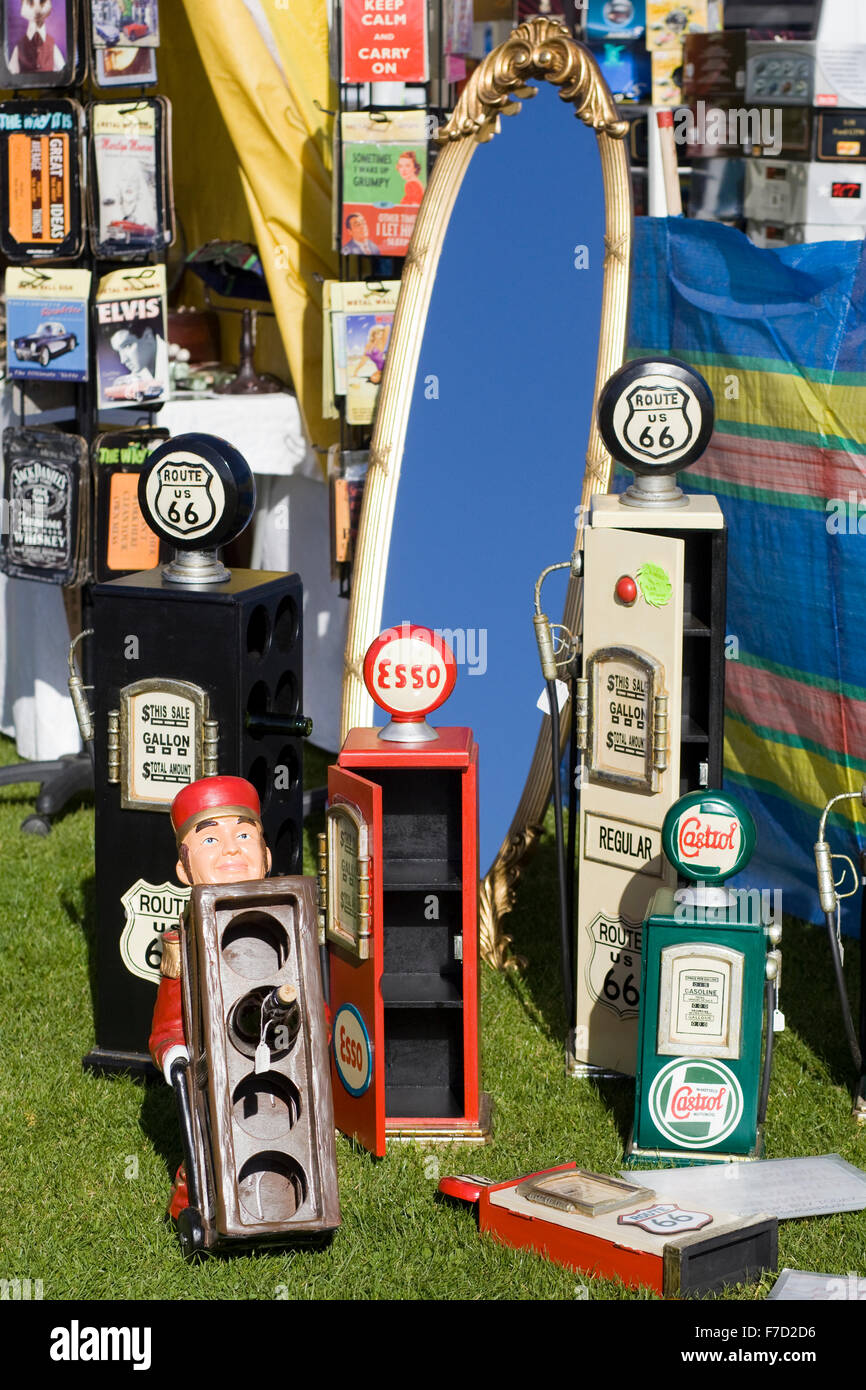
[[626, 589]]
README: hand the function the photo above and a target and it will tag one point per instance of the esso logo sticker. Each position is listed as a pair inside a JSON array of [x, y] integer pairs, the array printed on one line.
[[353, 1051], [409, 671], [708, 836], [185, 495]]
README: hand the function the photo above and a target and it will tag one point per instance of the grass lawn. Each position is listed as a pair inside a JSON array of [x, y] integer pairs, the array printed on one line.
[[85, 1162]]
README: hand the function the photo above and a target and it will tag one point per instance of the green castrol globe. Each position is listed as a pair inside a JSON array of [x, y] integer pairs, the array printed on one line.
[[708, 836]]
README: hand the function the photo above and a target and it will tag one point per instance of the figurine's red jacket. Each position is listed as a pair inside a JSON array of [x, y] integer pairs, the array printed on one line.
[[167, 1027]]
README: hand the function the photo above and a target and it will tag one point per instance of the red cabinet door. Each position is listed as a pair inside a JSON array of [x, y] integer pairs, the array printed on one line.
[[358, 1041]]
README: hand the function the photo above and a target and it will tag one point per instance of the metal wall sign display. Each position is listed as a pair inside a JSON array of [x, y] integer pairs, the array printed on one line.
[[46, 517], [166, 741], [347, 910]]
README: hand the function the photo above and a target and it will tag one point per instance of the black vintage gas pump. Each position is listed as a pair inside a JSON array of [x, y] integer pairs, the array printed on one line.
[[197, 672]]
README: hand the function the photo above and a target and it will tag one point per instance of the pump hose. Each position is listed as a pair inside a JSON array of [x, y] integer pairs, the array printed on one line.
[[770, 1012], [564, 897], [848, 1022]]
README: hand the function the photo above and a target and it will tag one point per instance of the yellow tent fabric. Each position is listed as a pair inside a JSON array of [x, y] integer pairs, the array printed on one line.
[[267, 62]]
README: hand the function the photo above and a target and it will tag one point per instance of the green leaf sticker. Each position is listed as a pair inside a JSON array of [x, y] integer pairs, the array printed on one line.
[[655, 585]]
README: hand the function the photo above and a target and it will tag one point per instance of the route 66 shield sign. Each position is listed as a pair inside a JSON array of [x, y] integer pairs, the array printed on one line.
[[151, 909], [185, 495], [614, 966], [656, 415], [666, 1219], [197, 491], [657, 425]]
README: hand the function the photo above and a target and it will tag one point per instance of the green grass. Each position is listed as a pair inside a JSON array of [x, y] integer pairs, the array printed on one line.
[[85, 1162]]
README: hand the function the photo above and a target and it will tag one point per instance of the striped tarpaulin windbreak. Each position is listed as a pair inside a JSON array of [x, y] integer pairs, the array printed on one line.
[[781, 338]]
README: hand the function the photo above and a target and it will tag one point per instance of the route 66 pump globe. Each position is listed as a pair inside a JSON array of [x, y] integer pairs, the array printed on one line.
[[649, 703], [199, 674]]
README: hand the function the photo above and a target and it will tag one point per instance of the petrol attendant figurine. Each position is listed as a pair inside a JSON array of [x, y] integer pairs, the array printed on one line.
[[218, 828]]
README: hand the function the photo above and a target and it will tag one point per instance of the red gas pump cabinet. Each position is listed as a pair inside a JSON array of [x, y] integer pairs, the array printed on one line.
[[402, 927]]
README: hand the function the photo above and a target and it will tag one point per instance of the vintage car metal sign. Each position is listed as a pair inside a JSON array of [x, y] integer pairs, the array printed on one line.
[[708, 836]]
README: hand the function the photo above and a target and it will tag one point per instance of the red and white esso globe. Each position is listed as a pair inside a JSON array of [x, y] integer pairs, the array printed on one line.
[[409, 671]]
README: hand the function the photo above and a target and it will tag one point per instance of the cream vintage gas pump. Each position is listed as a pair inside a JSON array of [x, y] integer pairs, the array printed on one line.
[[649, 705]]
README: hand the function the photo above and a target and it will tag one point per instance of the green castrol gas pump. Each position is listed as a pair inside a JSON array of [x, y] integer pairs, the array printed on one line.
[[710, 977]]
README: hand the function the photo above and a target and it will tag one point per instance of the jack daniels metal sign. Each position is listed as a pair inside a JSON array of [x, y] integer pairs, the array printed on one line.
[[44, 512]]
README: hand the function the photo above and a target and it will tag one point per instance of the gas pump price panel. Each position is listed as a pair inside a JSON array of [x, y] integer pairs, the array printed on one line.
[[398, 876], [199, 673], [649, 703]]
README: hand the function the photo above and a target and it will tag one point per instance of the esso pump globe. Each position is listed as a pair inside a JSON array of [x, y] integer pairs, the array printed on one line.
[[409, 671]]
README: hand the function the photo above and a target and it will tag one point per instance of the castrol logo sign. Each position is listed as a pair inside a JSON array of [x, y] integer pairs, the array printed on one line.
[[409, 671], [696, 1103], [708, 836], [713, 837]]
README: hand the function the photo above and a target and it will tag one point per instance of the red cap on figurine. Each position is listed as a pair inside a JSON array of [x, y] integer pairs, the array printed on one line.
[[226, 796]]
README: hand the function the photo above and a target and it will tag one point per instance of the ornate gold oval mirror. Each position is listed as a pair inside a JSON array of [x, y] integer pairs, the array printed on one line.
[[512, 315]]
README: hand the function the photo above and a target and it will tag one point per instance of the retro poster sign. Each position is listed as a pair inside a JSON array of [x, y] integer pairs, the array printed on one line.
[[384, 177], [46, 323], [385, 41]]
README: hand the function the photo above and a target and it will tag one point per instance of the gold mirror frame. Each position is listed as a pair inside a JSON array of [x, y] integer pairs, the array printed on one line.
[[545, 50]]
